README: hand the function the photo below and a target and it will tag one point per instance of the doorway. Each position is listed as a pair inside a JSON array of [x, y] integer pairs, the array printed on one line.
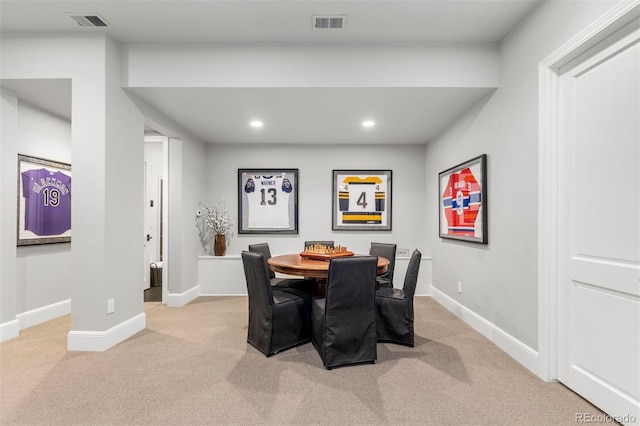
[[153, 218]]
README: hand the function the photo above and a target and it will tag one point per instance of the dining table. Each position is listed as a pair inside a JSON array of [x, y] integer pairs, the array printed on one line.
[[295, 264]]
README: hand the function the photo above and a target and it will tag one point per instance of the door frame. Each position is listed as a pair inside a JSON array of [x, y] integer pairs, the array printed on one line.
[[163, 204], [549, 171]]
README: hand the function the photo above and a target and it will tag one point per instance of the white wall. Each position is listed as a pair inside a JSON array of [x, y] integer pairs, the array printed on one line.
[[195, 178], [123, 183], [315, 165], [187, 179], [500, 280], [300, 65], [107, 138], [36, 280], [43, 271], [259, 65], [185, 183], [315, 185], [8, 224]]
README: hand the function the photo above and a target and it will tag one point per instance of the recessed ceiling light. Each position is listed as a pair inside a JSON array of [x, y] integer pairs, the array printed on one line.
[[368, 123], [256, 123]]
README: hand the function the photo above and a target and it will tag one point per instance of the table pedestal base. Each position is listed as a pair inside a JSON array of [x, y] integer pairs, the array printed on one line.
[[320, 289]]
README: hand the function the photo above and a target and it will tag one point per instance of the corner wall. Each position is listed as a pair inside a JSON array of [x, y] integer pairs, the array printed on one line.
[[107, 139], [500, 280], [185, 176]]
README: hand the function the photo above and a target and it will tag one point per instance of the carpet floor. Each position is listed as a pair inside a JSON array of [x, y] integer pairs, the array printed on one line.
[[193, 366]]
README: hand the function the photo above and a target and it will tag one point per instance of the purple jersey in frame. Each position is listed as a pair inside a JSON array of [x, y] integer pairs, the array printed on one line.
[[47, 201]]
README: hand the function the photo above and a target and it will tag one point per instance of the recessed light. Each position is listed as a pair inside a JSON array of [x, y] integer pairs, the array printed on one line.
[[368, 123], [256, 123]]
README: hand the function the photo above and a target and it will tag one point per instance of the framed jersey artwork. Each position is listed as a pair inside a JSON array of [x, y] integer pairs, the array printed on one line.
[[361, 200], [44, 201], [267, 201], [462, 197]]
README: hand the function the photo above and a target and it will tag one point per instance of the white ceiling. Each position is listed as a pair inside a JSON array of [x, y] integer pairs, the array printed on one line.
[[402, 115]]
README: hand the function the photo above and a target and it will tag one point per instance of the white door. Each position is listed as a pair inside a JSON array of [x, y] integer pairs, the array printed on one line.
[[599, 226]]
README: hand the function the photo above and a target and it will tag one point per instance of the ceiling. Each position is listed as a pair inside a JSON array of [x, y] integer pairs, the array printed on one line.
[[221, 115]]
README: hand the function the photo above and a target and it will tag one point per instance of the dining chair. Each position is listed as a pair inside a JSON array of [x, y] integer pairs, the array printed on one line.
[[324, 243], [343, 322], [394, 307], [279, 318], [299, 283], [387, 251]]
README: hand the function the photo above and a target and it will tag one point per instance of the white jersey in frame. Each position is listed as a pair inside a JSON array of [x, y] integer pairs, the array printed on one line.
[[268, 199]]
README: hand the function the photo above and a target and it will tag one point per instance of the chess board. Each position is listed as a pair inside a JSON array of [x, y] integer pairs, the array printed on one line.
[[322, 256]]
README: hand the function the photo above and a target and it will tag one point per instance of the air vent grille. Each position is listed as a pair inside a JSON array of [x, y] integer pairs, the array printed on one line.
[[91, 20], [328, 22]]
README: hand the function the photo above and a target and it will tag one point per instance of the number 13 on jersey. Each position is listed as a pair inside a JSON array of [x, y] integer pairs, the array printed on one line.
[[268, 200]]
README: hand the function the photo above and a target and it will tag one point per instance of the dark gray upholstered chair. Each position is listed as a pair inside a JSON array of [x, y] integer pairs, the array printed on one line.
[[388, 251], [299, 283], [344, 323], [279, 318], [266, 252], [324, 243], [394, 307]]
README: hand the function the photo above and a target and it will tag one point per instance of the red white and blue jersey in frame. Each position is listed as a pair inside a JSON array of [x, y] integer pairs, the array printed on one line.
[[462, 200], [47, 197]]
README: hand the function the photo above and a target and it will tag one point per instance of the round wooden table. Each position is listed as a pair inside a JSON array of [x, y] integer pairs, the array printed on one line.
[[294, 264]]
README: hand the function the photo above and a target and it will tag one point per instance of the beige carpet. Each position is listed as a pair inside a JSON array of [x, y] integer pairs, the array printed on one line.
[[192, 366]]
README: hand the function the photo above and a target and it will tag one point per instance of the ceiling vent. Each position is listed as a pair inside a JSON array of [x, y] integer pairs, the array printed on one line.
[[329, 22], [91, 20]]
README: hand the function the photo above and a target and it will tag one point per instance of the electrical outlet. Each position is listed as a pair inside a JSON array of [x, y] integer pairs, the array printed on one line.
[[460, 287], [111, 306], [402, 252]]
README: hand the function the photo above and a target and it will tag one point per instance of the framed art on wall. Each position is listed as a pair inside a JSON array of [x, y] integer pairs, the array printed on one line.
[[267, 201], [361, 200], [463, 201], [44, 201]]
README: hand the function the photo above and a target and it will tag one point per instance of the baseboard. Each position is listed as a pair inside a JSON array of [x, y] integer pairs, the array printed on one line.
[[43, 314], [100, 341], [9, 330], [224, 295], [522, 353], [180, 299]]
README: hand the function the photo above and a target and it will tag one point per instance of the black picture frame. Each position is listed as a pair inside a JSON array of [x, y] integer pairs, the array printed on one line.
[[44, 201], [462, 197], [267, 201], [362, 200]]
